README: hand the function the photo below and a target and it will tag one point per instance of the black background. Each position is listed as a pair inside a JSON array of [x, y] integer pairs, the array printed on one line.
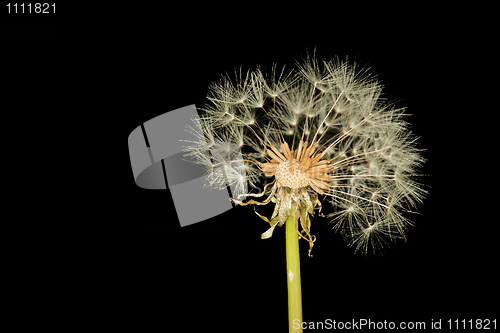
[[109, 250]]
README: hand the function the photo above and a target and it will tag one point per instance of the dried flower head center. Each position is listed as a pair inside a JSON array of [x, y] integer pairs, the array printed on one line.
[[294, 178]]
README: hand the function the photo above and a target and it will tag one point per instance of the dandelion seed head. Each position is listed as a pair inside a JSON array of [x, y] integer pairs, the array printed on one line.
[[325, 137]]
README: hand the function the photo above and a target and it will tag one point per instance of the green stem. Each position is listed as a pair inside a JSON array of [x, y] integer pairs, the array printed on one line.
[[293, 274]]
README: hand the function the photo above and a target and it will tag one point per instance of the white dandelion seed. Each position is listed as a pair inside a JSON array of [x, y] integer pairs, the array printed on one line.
[[324, 135]]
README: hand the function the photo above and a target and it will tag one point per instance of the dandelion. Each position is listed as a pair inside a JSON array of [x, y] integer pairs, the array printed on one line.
[[321, 137]]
